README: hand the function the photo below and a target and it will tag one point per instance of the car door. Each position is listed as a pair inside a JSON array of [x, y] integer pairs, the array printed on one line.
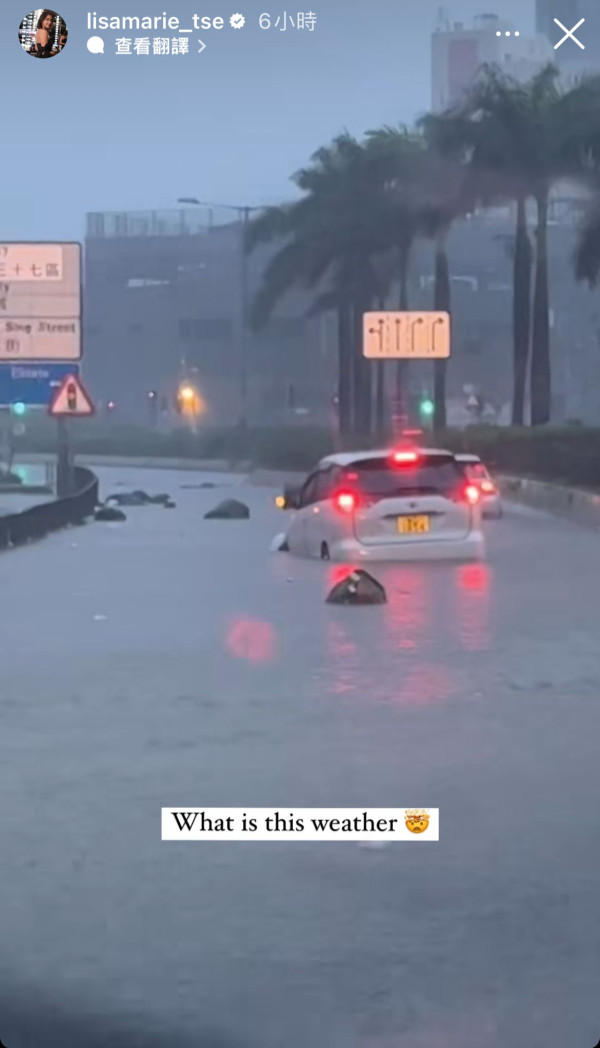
[[298, 529], [317, 522]]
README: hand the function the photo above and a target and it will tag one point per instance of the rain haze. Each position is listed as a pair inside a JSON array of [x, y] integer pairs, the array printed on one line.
[[300, 525], [112, 132]]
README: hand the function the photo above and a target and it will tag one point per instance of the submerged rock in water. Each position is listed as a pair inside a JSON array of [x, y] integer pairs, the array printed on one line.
[[358, 588], [109, 513], [229, 509]]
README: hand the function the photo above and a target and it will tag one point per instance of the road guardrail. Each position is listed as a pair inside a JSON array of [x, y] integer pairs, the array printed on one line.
[[575, 504], [34, 523]]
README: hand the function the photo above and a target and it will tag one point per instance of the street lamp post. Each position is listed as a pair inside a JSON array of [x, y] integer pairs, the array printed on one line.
[[243, 212]]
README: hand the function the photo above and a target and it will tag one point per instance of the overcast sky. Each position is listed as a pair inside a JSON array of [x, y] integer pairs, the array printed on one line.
[[87, 132]]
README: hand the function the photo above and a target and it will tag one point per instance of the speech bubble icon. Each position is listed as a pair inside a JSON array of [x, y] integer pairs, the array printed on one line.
[[95, 45]]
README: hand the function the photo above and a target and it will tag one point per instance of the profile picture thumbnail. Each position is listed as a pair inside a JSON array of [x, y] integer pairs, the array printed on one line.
[[43, 33]]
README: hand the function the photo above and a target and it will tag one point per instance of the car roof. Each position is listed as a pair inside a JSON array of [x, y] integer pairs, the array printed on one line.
[[467, 458], [349, 458]]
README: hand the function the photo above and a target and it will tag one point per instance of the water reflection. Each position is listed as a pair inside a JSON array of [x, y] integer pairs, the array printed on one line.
[[251, 639], [342, 653], [408, 650], [426, 682], [472, 606], [477, 1030], [408, 611], [393, 653]]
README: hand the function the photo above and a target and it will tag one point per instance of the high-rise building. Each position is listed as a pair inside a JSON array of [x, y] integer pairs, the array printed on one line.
[[163, 300], [459, 51]]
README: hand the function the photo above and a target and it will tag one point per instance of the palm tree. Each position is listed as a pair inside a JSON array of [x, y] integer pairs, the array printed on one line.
[[587, 157], [349, 239], [300, 261], [543, 115], [396, 154], [331, 242], [519, 252], [447, 193], [525, 138], [587, 254], [493, 124]]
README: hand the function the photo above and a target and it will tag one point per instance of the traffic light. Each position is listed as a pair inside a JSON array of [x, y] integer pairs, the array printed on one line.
[[426, 406], [18, 408]]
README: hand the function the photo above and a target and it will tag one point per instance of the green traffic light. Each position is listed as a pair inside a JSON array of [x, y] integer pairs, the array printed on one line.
[[426, 407], [19, 408]]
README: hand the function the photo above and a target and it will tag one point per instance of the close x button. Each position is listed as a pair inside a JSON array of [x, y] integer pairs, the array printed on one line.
[[569, 34]]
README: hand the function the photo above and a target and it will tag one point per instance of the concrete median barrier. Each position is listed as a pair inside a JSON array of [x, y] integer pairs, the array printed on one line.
[[582, 507], [27, 525]]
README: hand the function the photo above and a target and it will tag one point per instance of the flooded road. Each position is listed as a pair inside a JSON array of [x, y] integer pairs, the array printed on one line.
[[174, 661]]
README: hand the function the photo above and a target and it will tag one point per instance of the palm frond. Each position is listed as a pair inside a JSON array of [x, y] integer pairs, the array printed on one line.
[[271, 224], [285, 271]]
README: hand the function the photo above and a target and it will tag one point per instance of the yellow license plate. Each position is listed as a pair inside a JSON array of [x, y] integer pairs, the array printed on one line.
[[413, 525]]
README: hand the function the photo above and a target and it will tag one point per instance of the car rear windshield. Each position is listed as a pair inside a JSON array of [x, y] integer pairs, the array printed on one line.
[[475, 470], [430, 474]]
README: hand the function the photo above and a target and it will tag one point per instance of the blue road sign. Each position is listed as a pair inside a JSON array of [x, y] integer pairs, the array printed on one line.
[[32, 384]]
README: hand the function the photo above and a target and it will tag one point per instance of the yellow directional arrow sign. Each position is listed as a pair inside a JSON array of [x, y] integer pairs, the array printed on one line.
[[399, 335]]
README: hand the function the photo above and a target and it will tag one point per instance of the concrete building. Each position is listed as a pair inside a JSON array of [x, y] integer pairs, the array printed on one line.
[[163, 300], [458, 52]]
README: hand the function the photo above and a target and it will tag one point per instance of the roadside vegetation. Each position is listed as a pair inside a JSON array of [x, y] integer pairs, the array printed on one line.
[[364, 203], [349, 237], [569, 455]]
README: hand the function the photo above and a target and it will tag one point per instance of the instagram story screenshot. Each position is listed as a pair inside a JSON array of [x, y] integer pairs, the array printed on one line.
[[300, 524]]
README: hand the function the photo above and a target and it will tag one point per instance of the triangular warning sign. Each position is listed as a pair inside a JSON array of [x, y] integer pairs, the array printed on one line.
[[71, 400]]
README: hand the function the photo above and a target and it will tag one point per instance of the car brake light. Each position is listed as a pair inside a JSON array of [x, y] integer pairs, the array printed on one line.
[[403, 457], [345, 501], [488, 486], [471, 493]]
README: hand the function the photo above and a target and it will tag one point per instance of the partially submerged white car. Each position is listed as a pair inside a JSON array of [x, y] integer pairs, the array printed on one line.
[[478, 474], [391, 505]]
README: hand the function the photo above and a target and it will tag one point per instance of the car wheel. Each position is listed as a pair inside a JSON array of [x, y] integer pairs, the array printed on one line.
[[325, 555]]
